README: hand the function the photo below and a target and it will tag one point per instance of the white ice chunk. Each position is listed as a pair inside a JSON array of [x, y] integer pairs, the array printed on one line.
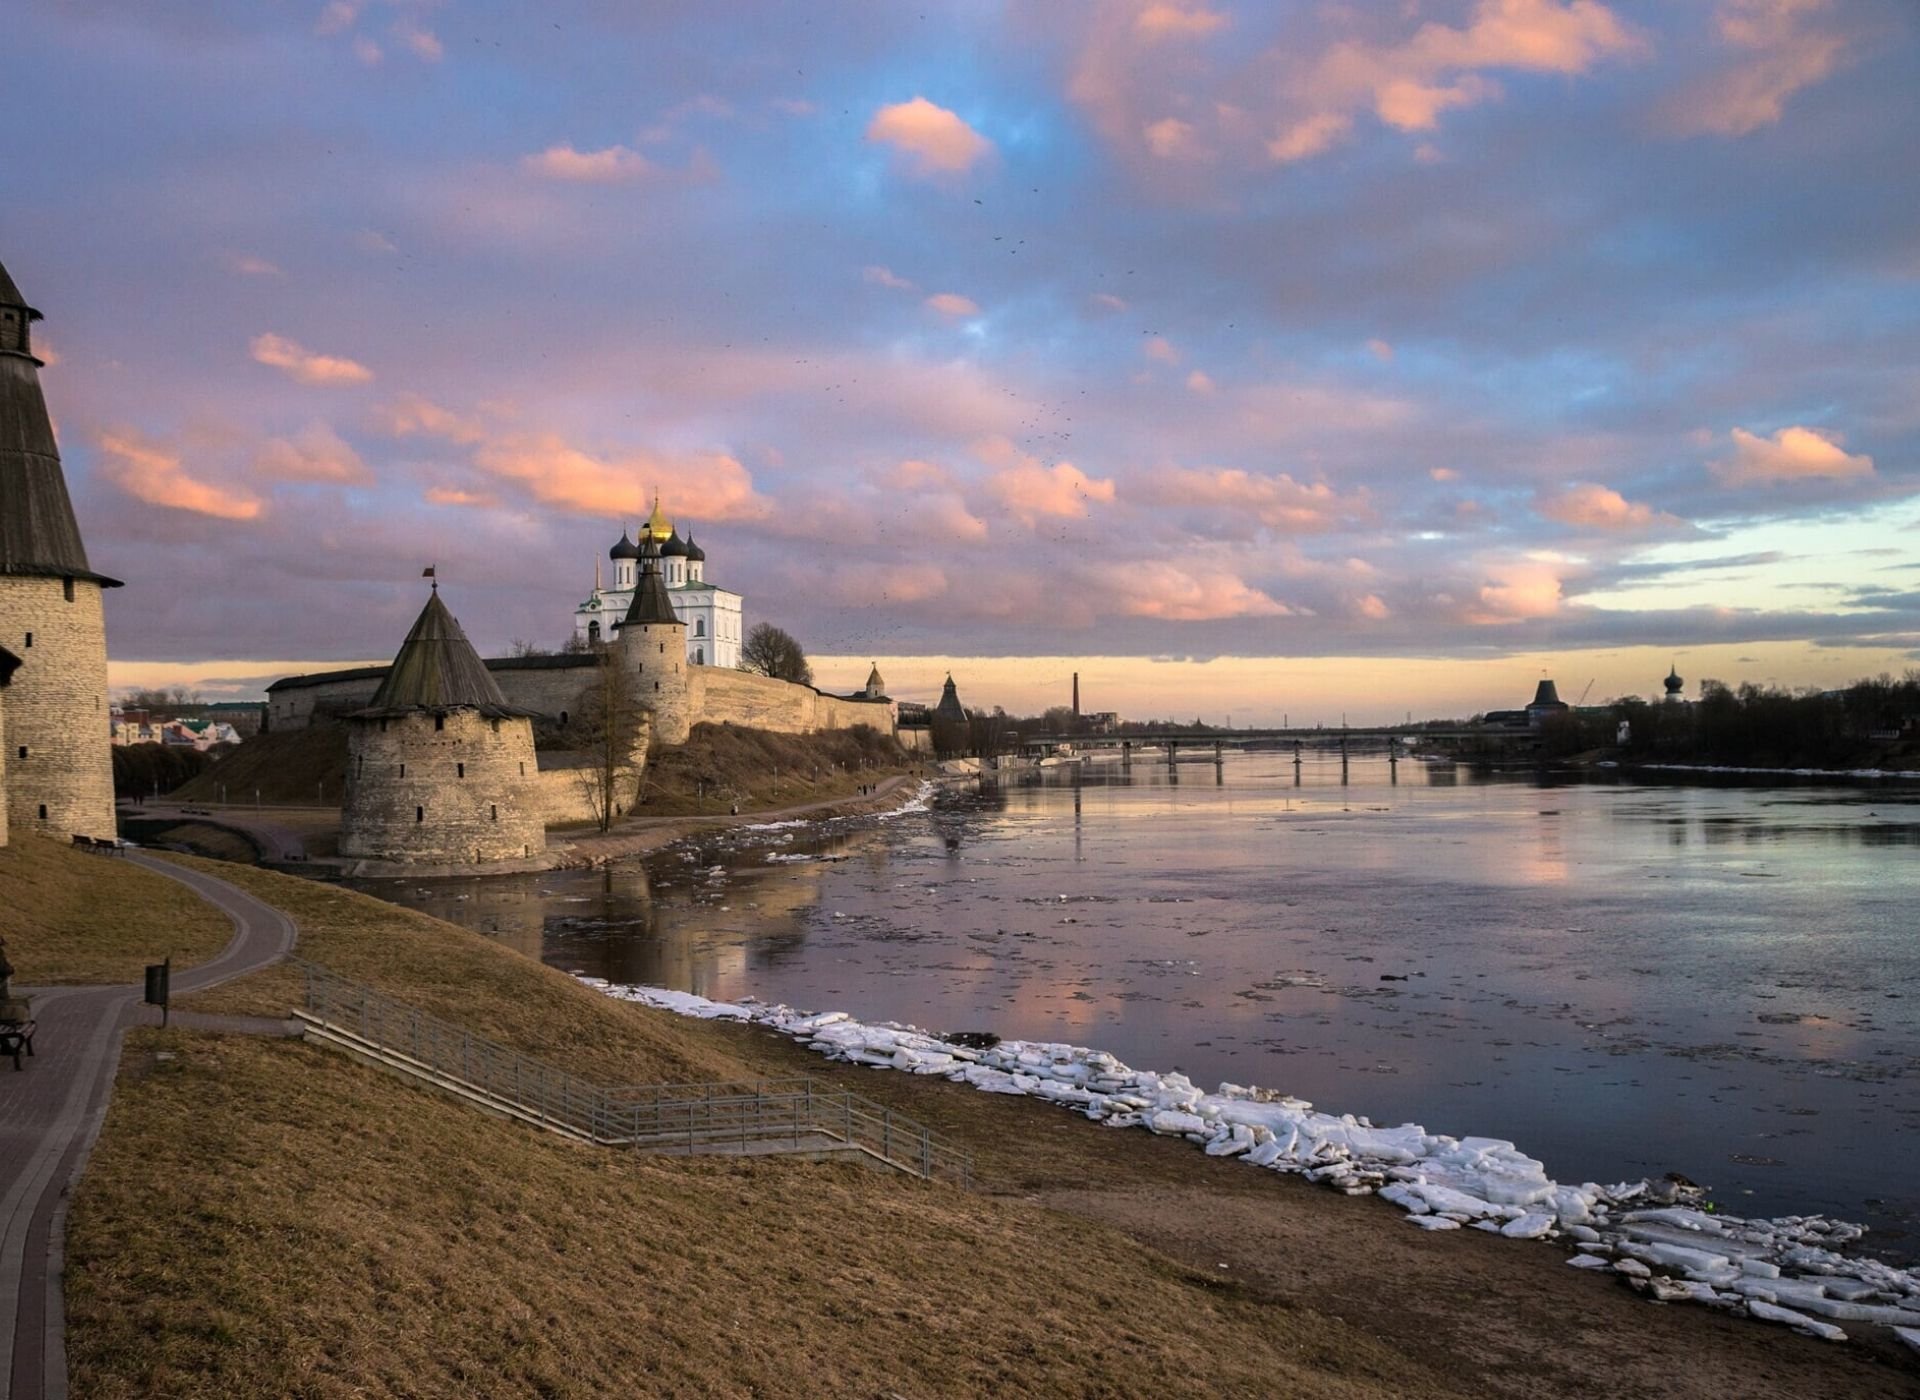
[[1800, 1322]]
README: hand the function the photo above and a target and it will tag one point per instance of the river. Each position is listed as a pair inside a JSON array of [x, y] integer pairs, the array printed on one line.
[[1625, 978]]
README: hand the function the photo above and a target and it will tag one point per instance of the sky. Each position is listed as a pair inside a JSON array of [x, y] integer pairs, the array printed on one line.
[[1271, 359]]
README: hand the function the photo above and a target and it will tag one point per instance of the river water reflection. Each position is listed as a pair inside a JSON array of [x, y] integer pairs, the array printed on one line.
[[1624, 979]]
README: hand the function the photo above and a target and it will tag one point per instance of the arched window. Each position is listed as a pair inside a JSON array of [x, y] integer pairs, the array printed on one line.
[[593, 633], [699, 656], [699, 627]]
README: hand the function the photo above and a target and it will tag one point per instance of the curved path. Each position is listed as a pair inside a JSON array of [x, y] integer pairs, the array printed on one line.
[[51, 1113]]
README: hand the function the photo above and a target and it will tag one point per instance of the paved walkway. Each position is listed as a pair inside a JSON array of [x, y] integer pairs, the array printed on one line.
[[51, 1112]]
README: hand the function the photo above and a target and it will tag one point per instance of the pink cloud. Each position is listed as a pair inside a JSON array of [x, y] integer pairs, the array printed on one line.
[[931, 139], [316, 453], [154, 474], [1309, 137], [1380, 351], [1169, 21], [1181, 593], [1172, 139], [1200, 382], [885, 277], [1791, 454], [457, 496], [421, 41], [249, 265], [1107, 301], [1031, 491], [1159, 348], [1370, 607], [610, 165], [303, 365], [1517, 592], [554, 472], [1443, 473], [1779, 48], [1593, 507], [1278, 502], [953, 304], [410, 414], [915, 473]]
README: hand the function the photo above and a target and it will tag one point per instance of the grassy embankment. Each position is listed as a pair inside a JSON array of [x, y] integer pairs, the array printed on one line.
[[294, 766], [70, 916], [261, 1217]]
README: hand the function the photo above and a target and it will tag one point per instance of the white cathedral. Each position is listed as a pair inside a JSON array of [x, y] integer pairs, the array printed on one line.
[[712, 615]]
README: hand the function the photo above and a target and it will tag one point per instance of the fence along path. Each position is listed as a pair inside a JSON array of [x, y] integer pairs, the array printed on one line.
[[796, 1115]]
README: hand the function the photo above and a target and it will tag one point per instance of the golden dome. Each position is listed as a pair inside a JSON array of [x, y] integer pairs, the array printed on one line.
[[657, 524]]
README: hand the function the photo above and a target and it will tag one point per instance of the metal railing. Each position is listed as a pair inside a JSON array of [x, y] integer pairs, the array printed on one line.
[[797, 1114]]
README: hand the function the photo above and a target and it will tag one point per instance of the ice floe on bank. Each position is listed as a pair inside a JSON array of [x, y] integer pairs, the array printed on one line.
[[1893, 773], [1652, 1234]]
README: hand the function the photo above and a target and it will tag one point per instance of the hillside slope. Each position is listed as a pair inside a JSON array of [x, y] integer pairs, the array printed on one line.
[[300, 766]]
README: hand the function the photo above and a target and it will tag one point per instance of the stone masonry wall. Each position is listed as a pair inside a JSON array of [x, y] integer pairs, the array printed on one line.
[[655, 656], [464, 791], [57, 708], [721, 696], [714, 693]]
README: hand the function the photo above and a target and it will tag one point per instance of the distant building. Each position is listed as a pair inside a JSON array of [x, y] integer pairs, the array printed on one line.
[[712, 614], [1673, 684], [1546, 705]]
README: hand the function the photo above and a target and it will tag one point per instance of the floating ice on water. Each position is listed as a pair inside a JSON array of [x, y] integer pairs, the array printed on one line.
[[1784, 1270]]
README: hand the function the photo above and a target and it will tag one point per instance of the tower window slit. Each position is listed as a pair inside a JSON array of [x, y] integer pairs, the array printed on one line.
[[459, 770], [419, 814], [493, 811], [439, 721]]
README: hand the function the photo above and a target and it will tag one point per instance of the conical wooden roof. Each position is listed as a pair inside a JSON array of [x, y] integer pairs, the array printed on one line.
[[38, 534], [651, 601], [437, 669]]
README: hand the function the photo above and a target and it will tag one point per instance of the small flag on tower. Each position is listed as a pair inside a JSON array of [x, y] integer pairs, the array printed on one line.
[[427, 572]]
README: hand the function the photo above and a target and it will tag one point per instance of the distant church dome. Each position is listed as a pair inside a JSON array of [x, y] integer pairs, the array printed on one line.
[[695, 554], [626, 549], [1673, 682], [675, 547], [657, 524]]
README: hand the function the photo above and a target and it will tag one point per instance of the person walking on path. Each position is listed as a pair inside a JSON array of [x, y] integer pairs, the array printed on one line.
[[50, 1117]]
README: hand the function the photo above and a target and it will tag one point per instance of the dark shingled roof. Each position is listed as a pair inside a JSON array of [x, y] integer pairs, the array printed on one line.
[[1545, 694], [651, 601], [674, 548], [438, 669], [9, 663], [10, 295], [950, 706], [38, 534], [626, 549]]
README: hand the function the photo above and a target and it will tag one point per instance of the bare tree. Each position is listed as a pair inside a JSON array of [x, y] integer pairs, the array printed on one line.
[[603, 731], [772, 652]]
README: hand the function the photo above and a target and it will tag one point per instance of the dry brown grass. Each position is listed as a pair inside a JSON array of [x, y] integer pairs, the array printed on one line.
[[70, 916], [264, 1218], [466, 978], [722, 765]]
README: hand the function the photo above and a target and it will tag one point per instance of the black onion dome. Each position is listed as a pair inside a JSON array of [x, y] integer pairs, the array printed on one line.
[[674, 548], [695, 554], [626, 549]]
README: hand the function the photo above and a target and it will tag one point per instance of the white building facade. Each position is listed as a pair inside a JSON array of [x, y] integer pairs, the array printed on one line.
[[712, 614]]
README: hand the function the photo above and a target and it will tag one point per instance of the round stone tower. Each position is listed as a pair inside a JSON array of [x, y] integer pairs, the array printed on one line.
[[58, 763], [653, 649], [440, 769]]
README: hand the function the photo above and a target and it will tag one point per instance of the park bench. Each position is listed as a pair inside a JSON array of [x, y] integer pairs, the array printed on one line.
[[108, 845], [16, 1036]]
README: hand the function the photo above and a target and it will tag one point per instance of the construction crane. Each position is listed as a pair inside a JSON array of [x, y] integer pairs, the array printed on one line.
[[1583, 695]]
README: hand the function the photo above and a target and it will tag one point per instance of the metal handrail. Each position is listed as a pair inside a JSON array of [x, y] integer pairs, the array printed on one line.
[[688, 1116]]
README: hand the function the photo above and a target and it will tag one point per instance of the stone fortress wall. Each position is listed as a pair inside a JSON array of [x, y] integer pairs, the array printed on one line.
[[452, 789], [57, 707], [714, 694]]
